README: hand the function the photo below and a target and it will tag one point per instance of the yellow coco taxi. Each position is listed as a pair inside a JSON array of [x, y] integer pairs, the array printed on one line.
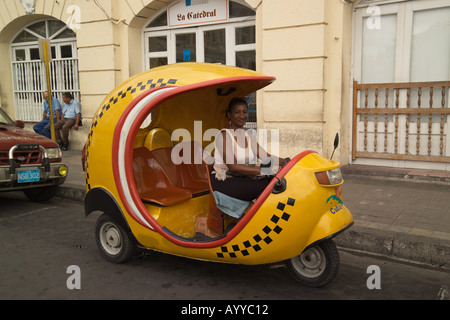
[[152, 200]]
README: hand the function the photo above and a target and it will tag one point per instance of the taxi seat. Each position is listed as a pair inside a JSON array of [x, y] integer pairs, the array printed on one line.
[[152, 182], [158, 138], [193, 174], [190, 175], [159, 180]]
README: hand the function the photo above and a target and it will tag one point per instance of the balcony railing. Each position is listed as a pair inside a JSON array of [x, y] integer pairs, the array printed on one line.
[[30, 82], [401, 121]]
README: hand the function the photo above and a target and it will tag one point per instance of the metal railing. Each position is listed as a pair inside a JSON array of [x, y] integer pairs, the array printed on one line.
[[29, 83]]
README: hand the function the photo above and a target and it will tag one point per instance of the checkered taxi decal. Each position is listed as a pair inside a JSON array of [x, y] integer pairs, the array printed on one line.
[[257, 243], [131, 90], [139, 87]]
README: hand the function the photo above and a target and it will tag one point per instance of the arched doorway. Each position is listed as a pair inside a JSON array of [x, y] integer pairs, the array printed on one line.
[[231, 43], [28, 72], [226, 36]]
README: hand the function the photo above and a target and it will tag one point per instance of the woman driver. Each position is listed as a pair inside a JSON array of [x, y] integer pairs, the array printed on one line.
[[236, 150]]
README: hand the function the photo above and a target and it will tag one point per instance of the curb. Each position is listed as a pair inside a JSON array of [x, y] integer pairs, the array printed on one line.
[[411, 248], [71, 193], [399, 174]]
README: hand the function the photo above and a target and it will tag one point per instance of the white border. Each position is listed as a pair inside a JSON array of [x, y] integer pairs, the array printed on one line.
[[121, 151]]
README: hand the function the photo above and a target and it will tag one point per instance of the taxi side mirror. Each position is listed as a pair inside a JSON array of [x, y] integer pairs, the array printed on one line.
[[336, 144], [336, 141]]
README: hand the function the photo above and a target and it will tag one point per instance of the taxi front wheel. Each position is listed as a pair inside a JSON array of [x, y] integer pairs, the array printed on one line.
[[317, 266], [115, 244]]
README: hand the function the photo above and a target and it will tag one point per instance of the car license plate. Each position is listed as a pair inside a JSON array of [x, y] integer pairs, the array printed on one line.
[[28, 176]]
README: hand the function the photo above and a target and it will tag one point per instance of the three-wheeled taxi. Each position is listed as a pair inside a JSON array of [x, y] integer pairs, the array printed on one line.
[[147, 162]]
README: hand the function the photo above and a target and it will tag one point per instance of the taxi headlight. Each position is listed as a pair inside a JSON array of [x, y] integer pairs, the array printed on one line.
[[54, 153], [330, 177], [335, 176]]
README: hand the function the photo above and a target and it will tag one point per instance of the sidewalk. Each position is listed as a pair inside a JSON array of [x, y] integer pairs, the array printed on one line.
[[399, 213]]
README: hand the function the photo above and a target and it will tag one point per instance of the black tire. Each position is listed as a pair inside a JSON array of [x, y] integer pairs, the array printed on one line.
[[115, 244], [41, 194], [317, 266]]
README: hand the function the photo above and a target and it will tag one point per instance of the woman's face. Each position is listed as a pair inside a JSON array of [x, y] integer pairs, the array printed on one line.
[[238, 116]]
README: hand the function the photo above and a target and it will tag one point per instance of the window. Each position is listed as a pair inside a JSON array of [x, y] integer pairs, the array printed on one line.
[[403, 42], [215, 46], [230, 42], [245, 35], [20, 55], [160, 21], [238, 10], [157, 44], [430, 45], [186, 47], [28, 73]]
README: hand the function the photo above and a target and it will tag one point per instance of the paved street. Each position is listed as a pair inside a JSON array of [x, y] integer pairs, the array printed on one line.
[[394, 215], [38, 242]]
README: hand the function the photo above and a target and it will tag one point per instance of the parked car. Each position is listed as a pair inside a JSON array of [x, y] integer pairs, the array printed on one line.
[[29, 162]]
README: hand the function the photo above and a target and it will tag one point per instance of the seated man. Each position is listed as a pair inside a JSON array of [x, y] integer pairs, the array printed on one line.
[[43, 127], [71, 116]]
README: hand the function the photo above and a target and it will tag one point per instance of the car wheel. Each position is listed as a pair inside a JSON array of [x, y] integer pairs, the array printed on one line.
[[317, 266], [115, 244]]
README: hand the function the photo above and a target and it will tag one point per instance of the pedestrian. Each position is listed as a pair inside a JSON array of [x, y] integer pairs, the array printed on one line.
[[43, 127], [71, 116]]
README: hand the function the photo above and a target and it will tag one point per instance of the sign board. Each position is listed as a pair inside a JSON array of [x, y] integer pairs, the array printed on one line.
[[45, 53], [194, 12]]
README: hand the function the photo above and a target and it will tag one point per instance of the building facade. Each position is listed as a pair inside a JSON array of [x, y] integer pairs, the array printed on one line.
[[376, 72]]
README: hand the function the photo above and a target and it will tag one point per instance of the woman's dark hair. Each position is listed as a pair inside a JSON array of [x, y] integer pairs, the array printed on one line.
[[234, 102]]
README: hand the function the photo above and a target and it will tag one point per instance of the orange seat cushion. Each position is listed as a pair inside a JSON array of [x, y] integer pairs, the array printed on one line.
[[152, 182]]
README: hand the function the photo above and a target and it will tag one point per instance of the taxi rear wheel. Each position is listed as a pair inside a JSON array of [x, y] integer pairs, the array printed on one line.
[[317, 266], [115, 244]]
